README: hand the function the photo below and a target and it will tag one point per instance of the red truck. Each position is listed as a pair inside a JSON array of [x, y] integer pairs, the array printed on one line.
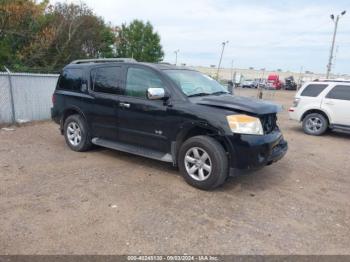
[[273, 82]]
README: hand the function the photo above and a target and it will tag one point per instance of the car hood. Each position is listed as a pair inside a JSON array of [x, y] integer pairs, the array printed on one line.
[[239, 103]]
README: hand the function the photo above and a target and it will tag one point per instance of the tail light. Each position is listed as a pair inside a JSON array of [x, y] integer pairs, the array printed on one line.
[[53, 99], [296, 102]]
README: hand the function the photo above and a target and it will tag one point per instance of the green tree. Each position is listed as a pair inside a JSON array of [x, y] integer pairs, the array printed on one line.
[[41, 37], [71, 32], [19, 23], [138, 40]]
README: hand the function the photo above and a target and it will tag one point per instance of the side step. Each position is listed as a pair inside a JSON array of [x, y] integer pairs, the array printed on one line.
[[341, 128], [136, 150]]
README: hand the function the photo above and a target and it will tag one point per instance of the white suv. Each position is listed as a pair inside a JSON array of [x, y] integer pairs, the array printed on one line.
[[321, 105]]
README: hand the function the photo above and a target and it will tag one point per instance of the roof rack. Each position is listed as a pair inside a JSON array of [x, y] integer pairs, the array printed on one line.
[[333, 80], [103, 60]]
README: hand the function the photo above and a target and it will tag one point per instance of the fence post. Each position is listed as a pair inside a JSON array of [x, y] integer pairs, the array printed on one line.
[[11, 96]]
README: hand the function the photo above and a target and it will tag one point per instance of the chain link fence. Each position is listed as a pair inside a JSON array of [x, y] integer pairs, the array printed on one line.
[[25, 97]]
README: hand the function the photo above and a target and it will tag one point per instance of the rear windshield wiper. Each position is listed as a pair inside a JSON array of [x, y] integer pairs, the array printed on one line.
[[199, 94]]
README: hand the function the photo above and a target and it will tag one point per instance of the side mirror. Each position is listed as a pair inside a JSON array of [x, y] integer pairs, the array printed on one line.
[[156, 93]]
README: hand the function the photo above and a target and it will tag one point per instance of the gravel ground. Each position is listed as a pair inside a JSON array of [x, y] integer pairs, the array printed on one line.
[[56, 201]]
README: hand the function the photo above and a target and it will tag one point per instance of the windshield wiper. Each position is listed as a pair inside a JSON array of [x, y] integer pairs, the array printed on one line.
[[219, 93], [199, 94]]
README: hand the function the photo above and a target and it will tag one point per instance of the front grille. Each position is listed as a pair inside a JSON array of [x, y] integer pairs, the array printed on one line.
[[269, 122]]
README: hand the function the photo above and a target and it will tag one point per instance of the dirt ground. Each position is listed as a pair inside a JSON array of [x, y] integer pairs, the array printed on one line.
[[56, 201]]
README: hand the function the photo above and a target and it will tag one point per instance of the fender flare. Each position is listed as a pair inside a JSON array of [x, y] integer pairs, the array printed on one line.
[[191, 126], [65, 115], [316, 109]]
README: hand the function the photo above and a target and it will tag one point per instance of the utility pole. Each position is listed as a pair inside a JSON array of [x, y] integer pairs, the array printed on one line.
[[222, 52], [335, 57], [260, 90], [329, 66], [232, 70], [176, 51], [13, 111], [300, 78]]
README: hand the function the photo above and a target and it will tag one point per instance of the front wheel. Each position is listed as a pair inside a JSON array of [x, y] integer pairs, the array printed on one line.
[[203, 162], [315, 124]]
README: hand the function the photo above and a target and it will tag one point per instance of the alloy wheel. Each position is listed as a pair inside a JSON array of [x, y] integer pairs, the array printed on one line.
[[198, 163], [314, 124], [73, 133]]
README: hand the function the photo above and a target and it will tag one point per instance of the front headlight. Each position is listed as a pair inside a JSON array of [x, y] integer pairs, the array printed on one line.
[[244, 124]]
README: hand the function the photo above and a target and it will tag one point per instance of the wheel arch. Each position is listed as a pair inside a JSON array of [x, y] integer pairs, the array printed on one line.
[[73, 110], [196, 130], [318, 111]]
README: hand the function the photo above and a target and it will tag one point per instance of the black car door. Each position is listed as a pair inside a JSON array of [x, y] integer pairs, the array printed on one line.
[[106, 85], [142, 121]]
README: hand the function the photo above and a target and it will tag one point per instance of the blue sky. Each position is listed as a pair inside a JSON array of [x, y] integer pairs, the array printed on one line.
[[261, 34]]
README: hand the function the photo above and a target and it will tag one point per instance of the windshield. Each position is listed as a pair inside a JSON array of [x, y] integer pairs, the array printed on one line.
[[194, 83]]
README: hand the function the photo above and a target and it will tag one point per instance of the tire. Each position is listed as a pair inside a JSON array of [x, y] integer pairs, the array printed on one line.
[[76, 133], [315, 124], [217, 161]]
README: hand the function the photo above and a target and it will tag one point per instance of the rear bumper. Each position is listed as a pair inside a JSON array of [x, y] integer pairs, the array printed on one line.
[[251, 151], [54, 116], [293, 115]]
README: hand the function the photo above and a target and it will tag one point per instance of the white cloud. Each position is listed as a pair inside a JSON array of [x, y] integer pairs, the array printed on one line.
[[272, 36]]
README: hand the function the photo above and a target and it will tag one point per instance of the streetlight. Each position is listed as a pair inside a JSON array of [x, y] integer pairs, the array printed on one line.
[[260, 92], [300, 77], [222, 52], [232, 70], [329, 66], [176, 51]]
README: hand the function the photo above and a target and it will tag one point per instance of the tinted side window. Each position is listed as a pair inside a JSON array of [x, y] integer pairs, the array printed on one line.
[[139, 80], [106, 79], [313, 90], [341, 92], [70, 79]]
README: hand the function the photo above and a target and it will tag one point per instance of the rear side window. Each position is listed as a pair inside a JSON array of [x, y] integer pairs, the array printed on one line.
[[70, 79], [106, 79], [341, 92], [313, 90]]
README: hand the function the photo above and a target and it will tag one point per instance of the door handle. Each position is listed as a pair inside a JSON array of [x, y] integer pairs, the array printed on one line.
[[329, 103], [125, 105]]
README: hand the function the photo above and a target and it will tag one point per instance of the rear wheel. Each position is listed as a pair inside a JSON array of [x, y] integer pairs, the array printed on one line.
[[203, 162], [315, 124], [76, 133]]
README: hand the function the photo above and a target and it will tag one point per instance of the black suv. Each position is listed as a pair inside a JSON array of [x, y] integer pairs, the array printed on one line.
[[168, 113]]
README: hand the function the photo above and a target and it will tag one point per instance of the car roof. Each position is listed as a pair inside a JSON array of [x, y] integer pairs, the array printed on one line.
[[167, 66], [158, 66], [328, 82]]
